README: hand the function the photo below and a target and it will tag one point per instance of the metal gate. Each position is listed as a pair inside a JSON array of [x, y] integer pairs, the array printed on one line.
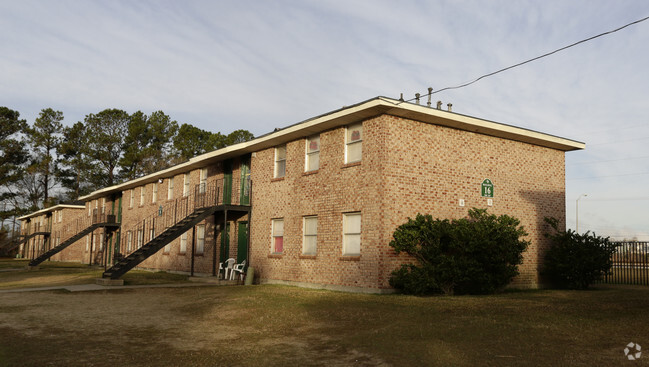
[[630, 264]]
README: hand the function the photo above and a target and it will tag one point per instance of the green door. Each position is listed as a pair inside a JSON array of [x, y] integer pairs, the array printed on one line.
[[245, 181], [242, 242], [227, 182], [225, 244]]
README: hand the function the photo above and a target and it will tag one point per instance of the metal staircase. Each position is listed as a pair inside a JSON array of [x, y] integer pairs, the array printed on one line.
[[135, 258], [70, 241]]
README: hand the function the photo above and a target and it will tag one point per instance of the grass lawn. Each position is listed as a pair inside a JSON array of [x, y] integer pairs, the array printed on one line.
[[278, 325], [54, 273]]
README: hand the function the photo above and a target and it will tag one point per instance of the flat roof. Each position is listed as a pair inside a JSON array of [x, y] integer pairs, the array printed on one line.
[[347, 115], [51, 209]]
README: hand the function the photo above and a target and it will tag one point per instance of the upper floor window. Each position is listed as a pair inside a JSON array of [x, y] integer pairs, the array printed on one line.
[[203, 181], [186, 184], [313, 153], [280, 161], [310, 239], [352, 233], [142, 195], [103, 205], [170, 188], [353, 143], [278, 236], [132, 198], [154, 196]]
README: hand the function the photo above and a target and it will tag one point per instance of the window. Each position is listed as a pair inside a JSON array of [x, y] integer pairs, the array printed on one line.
[[312, 153], [103, 205], [101, 242], [167, 249], [203, 181], [310, 239], [60, 216], [93, 245], [183, 243], [129, 241], [170, 188], [278, 236], [89, 208], [280, 161], [151, 234], [353, 143], [140, 238], [352, 234], [200, 238], [154, 196], [132, 199], [186, 184], [142, 195]]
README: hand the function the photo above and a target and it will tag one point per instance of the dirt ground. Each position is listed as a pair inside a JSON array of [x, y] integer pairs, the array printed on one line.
[[201, 326], [265, 325]]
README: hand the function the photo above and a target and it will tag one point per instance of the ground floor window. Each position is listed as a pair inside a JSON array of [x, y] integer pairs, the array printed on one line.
[[200, 239], [352, 233], [310, 239], [183, 243], [277, 246]]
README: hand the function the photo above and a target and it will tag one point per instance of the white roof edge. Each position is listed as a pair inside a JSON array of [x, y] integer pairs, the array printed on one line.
[[51, 209], [365, 109]]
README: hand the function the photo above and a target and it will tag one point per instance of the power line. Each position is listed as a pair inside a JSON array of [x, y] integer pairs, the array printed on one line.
[[530, 60], [625, 174], [609, 160]]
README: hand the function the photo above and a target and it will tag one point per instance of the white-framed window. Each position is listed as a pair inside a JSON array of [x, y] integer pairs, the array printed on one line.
[[203, 181], [89, 208], [140, 238], [103, 205], [280, 161], [186, 184], [151, 234], [312, 153], [58, 241], [277, 245], [154, 195], [142, 194], [352, 233], [183, 243], [129, 241], [167, 249], [94, 243], [200, 238], [310, 235], [170, 188], [101, 242], [353, 143], [60, 216], [131, 199]]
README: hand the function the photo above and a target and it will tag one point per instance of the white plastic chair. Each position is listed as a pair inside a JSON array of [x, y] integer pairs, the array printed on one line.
[[239, 268], [229, 268]]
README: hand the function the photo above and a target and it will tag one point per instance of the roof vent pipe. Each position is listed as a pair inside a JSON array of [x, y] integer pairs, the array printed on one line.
[[430, 94], [449, 107], [401, 98], [439, 105], [417, 95]]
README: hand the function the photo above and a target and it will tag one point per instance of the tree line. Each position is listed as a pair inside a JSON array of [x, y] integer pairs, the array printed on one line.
[[47, 163]]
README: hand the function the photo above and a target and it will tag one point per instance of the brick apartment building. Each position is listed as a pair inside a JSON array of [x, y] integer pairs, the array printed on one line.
[[316, 203]]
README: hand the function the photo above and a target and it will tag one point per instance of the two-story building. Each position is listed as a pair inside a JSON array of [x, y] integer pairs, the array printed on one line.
[[316, 203]]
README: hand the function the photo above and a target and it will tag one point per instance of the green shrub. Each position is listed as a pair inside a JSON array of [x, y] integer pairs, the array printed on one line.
[[576, 260], [475, 255]]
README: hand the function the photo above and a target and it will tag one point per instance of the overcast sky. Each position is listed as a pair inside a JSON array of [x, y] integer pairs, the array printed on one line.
[[257, 65]]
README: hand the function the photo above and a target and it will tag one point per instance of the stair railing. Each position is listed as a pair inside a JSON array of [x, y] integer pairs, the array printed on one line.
[[203, 195]]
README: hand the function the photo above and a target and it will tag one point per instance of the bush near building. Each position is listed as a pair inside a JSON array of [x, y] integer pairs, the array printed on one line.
[[576, 260], [475, 255]]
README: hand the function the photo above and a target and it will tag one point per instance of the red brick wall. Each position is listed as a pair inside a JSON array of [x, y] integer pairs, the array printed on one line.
[[407, 167]]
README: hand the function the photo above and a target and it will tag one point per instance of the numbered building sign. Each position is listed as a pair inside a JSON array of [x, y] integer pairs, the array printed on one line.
[[487, 188]]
